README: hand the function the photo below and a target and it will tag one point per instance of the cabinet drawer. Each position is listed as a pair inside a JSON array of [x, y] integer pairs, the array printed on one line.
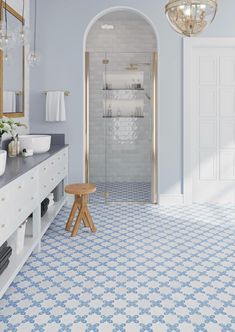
[[25, 185], [17, 200], [52, 171]]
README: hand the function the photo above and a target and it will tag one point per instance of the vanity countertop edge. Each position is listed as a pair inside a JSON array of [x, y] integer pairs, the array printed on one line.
[[18, 166]]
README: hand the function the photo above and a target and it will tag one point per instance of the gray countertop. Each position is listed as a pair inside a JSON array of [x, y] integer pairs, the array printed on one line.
[[17, 166]]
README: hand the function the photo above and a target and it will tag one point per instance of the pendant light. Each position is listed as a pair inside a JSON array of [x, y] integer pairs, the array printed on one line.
[[34, 57], [23, 35], [190, 17], [7, 38]]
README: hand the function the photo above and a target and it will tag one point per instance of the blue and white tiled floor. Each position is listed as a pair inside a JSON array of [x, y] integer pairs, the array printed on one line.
[[122, 192], [148, 268]]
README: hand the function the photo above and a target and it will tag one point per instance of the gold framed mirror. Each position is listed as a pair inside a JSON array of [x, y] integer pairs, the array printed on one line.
[[12, 69]]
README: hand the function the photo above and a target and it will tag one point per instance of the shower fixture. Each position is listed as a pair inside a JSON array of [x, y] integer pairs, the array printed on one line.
[[135, 66]]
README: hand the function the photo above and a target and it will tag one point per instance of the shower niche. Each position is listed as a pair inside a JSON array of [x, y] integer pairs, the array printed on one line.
[[123, 93]]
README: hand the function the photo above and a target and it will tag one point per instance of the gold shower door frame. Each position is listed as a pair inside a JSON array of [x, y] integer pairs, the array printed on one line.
[[154, 141]]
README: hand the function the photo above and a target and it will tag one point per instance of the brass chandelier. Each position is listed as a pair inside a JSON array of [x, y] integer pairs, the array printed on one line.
[[190, 17]]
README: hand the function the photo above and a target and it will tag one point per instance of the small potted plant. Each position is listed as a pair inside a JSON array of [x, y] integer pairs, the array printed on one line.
[[9, 126]]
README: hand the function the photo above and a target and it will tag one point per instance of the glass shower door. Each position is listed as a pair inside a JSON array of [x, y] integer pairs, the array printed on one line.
[[120, 126], [127, 114]]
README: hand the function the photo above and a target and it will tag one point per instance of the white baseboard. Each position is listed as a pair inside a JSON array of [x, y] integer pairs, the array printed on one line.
[[171, 199]]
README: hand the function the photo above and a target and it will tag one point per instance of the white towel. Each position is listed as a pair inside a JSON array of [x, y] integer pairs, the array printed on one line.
[[9, 102], [55, 106]]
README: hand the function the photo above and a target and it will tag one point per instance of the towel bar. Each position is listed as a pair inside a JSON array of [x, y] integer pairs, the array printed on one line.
[[66, 93]]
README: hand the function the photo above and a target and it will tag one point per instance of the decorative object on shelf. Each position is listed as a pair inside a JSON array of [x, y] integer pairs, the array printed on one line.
[[190, 17], [23, 35], [33, 57], [7, 38]]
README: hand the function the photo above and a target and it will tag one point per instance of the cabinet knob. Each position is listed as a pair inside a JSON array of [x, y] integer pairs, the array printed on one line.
[[19, 187], [32, 198], [45, 186], [19, 210], [52, 179], [32, 177], [3, 225], [3, 199], [58, 173], [44, 168], [52, 163]]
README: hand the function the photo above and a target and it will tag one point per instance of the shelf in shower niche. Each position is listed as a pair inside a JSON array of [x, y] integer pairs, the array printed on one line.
[[123, 116], [124, 89]]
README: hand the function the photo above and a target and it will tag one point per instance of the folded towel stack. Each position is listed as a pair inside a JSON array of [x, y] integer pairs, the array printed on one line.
[[5, 253], [51, 199]]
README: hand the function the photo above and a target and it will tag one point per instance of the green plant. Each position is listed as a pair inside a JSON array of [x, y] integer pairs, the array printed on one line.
[[9, 126]]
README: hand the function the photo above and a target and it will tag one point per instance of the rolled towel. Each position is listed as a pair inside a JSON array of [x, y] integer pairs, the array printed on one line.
[[55, 106], [6, 255], [51, 199], [4, 266], [3, 246]]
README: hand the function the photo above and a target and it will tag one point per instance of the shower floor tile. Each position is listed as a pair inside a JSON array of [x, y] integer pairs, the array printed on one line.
[[122, 192]]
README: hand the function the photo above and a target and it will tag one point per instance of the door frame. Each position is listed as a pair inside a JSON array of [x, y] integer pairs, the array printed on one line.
[[188, 46]]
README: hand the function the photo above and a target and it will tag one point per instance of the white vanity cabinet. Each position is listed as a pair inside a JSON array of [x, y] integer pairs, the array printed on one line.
[[52, 171], [22, 197], [17, 201]]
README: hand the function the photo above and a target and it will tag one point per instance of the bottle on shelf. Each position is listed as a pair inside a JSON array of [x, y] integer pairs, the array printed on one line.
[[138, 85], [109, 111]]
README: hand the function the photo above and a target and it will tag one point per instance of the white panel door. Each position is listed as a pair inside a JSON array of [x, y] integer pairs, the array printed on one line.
[[213, 124]]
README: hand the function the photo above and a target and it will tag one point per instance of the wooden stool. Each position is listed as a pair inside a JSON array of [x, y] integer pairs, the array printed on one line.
[[80, 192]]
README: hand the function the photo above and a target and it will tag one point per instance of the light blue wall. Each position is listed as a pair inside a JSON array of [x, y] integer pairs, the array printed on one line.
[[61, 28]]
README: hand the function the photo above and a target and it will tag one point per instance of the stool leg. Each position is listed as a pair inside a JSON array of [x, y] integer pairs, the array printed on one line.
[[90, 220], [78, 222], [88, 216], [71, 216]]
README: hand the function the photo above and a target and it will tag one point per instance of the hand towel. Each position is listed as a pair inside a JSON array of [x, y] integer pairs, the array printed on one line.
[[9, 102], [55, 106]]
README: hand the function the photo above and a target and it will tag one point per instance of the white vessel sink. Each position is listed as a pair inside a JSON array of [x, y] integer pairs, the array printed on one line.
[[3, 159], [39, 143]]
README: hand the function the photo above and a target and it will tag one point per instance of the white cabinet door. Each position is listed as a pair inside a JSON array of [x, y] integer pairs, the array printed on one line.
[[213, 124]]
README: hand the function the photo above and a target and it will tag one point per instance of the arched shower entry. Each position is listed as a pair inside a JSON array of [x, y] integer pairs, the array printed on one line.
[[121, 107]]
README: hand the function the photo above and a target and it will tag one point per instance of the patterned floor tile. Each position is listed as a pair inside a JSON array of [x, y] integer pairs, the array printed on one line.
[[122, 192], [148, 268]]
